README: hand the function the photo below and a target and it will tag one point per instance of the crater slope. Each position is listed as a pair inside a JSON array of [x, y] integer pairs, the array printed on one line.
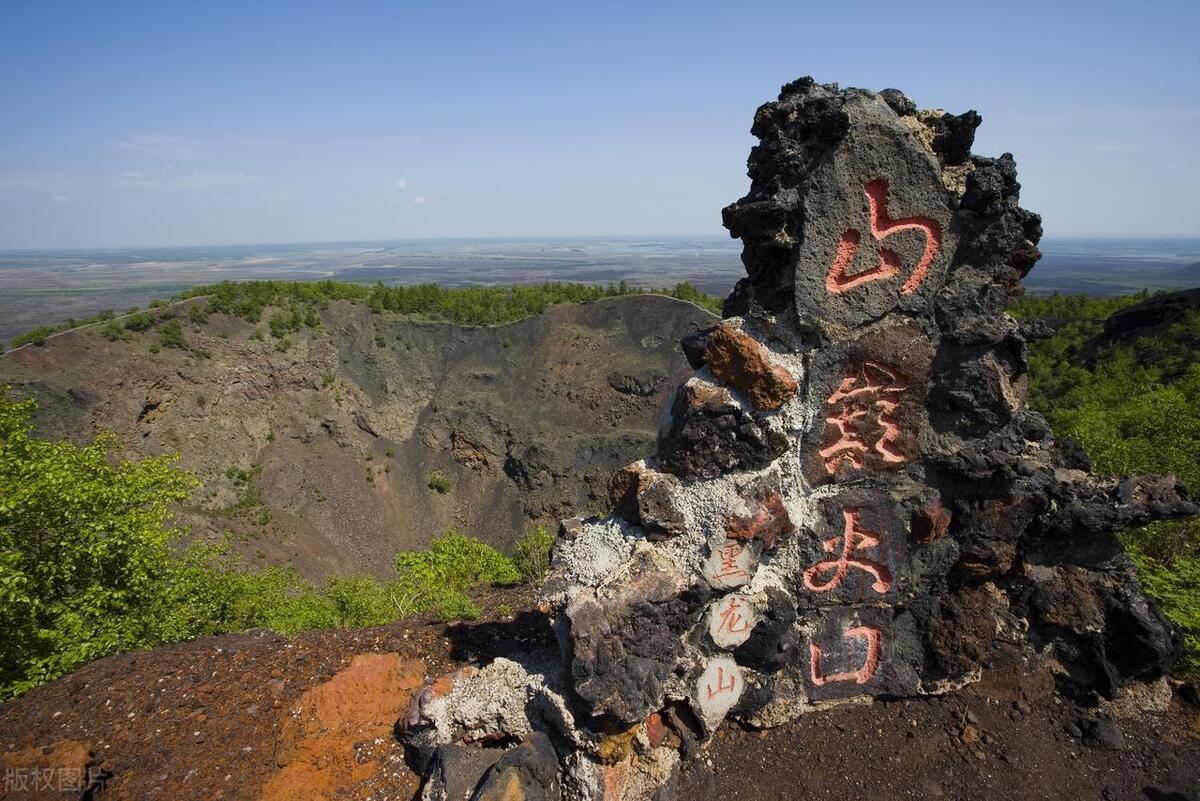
[[320, 454]]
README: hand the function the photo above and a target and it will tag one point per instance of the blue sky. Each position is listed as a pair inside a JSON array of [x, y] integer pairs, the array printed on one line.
[[211, 122]]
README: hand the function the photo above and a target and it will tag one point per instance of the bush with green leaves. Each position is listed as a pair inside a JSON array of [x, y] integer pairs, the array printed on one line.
[[171, 335], [437, 581], [298, 302], [462, 305], [439, 482], [113, 331], [283, 323], [1177, 590], [532, 557], [198, 314], [37, 336], [84, 558], [89, 565], [139, 321]]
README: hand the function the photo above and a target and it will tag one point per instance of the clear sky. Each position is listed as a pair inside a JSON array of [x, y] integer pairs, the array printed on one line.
[[209, 122]]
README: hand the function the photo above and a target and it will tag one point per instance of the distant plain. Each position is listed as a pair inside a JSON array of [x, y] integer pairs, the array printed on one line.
[[46, 287]]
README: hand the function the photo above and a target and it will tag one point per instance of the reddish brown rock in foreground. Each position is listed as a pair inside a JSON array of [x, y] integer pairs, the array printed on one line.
[[327, 727], [739, 361]]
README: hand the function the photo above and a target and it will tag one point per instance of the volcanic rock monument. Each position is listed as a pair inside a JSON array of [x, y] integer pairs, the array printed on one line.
[[849, 498]]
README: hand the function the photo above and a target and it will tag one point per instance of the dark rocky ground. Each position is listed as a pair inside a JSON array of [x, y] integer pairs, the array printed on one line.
[[337, 434], [976, 743], [259, 716]]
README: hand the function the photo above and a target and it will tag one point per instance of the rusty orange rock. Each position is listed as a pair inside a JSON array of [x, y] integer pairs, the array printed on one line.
[[767, 522], [740, 361], [360, 704], [615, 780], [660, 733], [60, 769]]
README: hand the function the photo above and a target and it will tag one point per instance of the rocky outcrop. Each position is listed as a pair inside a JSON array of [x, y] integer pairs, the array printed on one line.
[[849, 498]]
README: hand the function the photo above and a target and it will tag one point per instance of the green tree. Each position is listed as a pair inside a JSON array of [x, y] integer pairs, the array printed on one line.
[[83, 549]]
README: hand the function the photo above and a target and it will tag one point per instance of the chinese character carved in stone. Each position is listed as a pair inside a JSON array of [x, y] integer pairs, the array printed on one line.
[[828, 574], [862, 412], [839, 281]]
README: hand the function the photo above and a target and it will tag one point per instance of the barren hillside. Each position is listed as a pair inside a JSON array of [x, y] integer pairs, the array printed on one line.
[[320, 452]]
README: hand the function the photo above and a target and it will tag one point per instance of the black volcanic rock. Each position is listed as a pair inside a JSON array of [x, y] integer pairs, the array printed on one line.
[[1148, 318], [934, 525]]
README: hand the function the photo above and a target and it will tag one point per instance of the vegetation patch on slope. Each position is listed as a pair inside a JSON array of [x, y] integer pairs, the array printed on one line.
[[298, 301], [1135, 407], [90, 564]]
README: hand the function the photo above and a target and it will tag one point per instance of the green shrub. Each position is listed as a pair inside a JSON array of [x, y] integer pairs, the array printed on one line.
[[39, 335], [35, 337], [139, 321], [327, 379], [463, 305], [437, 581], [1176, 587], [284, 323], [87, 566], [297, 303], [198, 314], [439, 482], [171, 335], [359, 601], [113, 330], [532, 558], [84, 560]]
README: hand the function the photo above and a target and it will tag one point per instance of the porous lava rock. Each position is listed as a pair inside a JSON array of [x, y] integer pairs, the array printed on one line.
[[738, 360], [861, 504]]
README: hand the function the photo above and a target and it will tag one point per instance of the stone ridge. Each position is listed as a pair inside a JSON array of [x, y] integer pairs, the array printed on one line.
[[849, 498]]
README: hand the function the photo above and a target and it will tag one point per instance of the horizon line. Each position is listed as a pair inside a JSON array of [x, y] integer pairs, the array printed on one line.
[[501, 237]]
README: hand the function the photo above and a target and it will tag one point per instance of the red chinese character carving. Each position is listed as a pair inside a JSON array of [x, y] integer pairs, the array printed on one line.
[[883, 226], [854, 538], [860, 676], [722, 685], [869, 393], [729, 566], [731, 618]]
